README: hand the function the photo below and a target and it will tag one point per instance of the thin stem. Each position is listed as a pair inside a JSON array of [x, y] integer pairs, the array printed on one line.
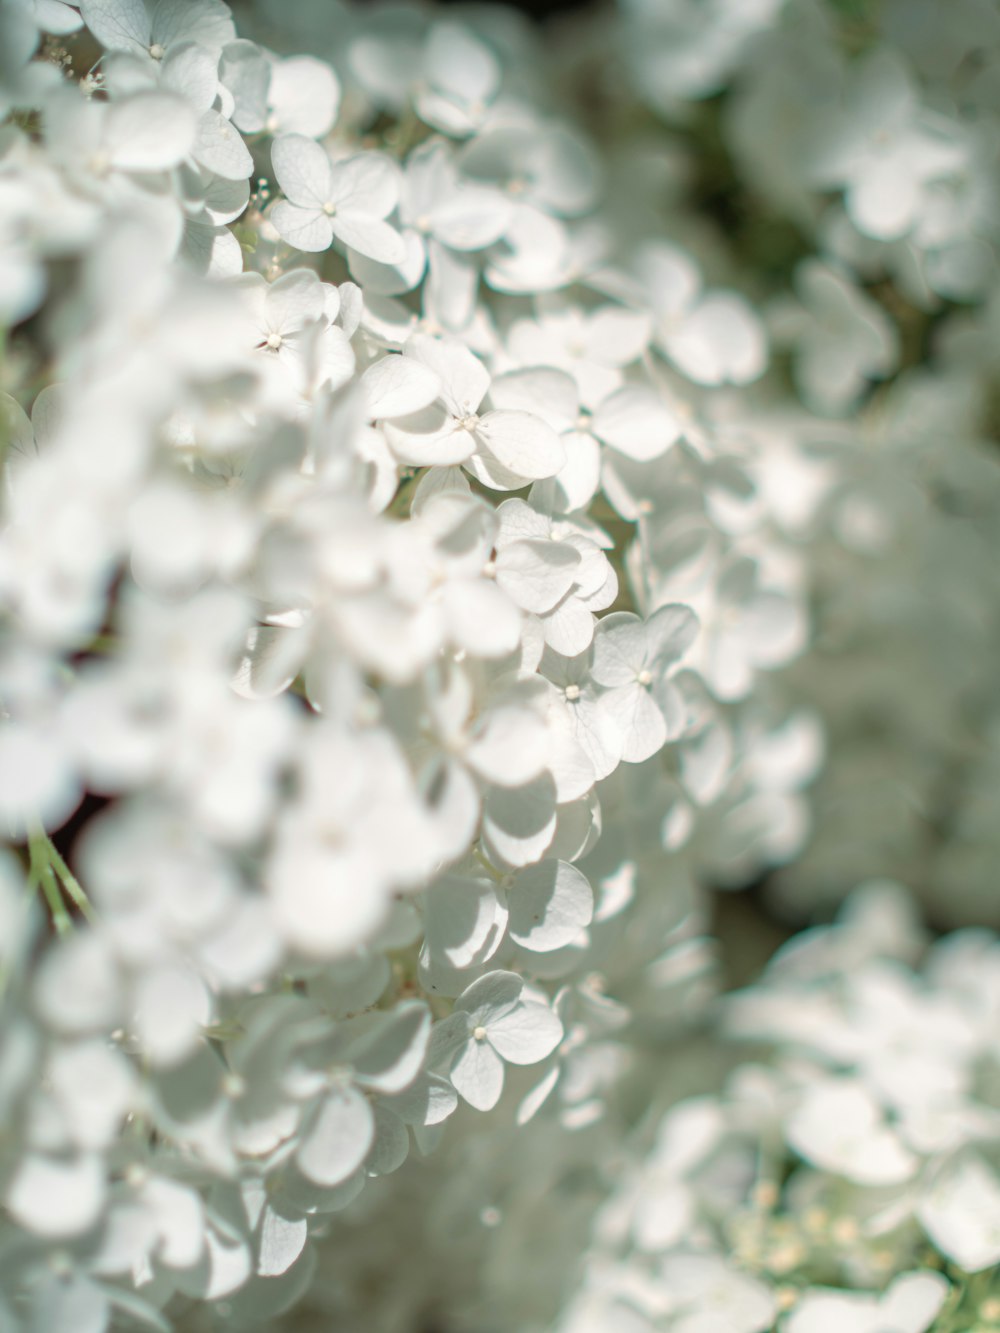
[[50, 888], [71, 884]]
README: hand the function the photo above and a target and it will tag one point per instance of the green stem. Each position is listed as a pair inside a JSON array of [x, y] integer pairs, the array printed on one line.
[[71, 884], [47, 870]]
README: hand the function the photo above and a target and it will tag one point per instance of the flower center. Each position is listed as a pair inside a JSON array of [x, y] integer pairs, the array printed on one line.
[[329, 208], [157, 51], [645, 677], [479, 1033], [469, 422], [572, 693], [274, 341]]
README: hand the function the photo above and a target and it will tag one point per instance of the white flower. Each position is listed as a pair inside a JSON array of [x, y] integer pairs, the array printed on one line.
[[348, 200], [884, 148], [713, 1296], [153, 29], [461, 77], [492, 1023], [552, 570], [503, 449], [290, 323], [632, 659], [839, 1126], [960, 1212], [193, 73], [712, 338], [841, 338], [909, 1305]]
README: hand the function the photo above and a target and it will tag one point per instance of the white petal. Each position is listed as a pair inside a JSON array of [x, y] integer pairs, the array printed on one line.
[[149, 132], [536, 574], [477, 1075], [398, 385], [392, 1143], [389, 1057], [519, 823], [569, 629], [219, 147], [721, 342], [57, 1197], [302, 169], [523, 443], [550, 903], [304, 95], [306, 229], [670, 631], [489, 997], [914, 1300], [636, 421], [378, 279], [527, 1034], [120, 25], [429, 438], [547, 393], [509, 746], [457, 62], [481, 618], [366, 184], [639, 721], [464, 920], [619, 649], [369, 236], [337, 1139], [961, 1214], [464, 378], [281, 1241]]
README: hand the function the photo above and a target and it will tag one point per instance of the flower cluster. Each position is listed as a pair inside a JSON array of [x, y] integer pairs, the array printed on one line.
[[434, 559]]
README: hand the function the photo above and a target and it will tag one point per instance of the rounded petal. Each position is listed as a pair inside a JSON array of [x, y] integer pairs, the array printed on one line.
[[527, 1034], [338, 1138], [302, 169], [550, 903], [306, 229], [522, 443], [477, 1075]]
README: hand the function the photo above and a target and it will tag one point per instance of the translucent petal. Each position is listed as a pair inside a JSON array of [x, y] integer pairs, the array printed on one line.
[[550, 903], [490, 997], [399, 385], [526, 1034], [464, 920], [670, 632], [509, 746], [304, 95], [390, 1056], [368, 236], [149, 132], [620, 647], [522, 443], [366, 184], [639, 721], [306, 229], [120, 25], [536, 574], [57, 1196], [636, 421], [280, 1242], [464, 378], [481, 617], [519, 823], [302, 169], [477, 1075], [337, 1139]]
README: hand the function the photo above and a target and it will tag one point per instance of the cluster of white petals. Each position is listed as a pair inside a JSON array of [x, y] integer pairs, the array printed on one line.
[[471, 498]]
